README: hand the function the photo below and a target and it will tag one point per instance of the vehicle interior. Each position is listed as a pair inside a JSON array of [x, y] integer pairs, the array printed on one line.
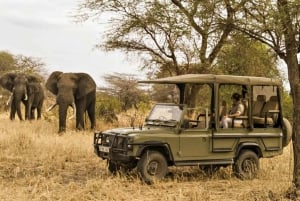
[[261, 105]]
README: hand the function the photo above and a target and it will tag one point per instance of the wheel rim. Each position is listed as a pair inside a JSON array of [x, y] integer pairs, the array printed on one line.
[[249, 167], [152, 168]]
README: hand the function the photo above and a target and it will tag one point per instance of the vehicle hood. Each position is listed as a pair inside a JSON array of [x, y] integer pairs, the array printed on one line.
[[131, 130]]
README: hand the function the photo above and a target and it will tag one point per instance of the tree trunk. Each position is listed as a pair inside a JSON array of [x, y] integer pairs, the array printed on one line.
[[290, 58], [296, 139]]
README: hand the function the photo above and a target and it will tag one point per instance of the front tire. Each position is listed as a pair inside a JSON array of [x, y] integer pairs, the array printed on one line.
[[247, 165], [152, 166], [113, 167]]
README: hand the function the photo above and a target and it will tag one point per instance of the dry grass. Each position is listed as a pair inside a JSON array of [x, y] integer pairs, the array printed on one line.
[[38, 164]]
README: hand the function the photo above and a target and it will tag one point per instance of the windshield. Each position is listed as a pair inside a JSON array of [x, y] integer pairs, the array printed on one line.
[[165, 112]]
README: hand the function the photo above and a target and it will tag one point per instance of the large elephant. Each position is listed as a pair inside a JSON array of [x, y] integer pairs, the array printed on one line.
[[77, 90], [25, 88]]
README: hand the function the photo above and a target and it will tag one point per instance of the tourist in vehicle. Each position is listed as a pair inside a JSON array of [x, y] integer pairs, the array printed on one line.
[[236, 110]]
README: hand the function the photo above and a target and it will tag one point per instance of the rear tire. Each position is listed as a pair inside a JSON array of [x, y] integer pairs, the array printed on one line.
[[152, 166], [246, 165]]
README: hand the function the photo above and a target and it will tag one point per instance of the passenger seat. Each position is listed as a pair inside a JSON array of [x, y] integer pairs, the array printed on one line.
[[258, 105], [268, 114]]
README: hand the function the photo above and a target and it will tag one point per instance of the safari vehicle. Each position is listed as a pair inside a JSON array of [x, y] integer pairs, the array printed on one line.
[[188, 132]]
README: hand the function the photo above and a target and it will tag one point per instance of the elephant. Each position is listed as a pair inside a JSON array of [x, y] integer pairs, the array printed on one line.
[[25, 88], [77, 90]]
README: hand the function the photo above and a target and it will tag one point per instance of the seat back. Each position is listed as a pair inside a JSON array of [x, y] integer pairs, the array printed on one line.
[[269, 114], [271, 104], [258, 105]]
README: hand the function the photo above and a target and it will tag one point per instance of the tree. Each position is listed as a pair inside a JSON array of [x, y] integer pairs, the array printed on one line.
[[7, 62], [276, 24], [125, 88], [173, 37], [21, 63], [242, 55], [29, 64]]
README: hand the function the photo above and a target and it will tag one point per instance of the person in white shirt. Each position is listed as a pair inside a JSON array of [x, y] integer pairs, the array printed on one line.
[[236, 110]]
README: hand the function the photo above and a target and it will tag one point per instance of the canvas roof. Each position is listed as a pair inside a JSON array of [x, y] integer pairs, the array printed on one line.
[[210, 78]]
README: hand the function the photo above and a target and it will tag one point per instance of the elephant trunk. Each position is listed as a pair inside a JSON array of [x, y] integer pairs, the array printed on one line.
[[62, 117], [16, 107]]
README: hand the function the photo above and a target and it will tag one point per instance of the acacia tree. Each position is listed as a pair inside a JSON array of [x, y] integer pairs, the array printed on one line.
[[7, 62], [175, 37], [29, 64], [172, 37], [252, 58], [276, 24], [125, 88]]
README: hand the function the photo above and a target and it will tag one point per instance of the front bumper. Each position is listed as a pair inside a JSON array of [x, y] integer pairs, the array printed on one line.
[[112, 147]]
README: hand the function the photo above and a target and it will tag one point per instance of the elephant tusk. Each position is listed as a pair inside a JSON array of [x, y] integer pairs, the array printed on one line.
[[51, 107], [8, 102], [74, 111]]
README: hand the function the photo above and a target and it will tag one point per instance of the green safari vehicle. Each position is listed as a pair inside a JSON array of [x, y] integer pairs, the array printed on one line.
[[187, 131]]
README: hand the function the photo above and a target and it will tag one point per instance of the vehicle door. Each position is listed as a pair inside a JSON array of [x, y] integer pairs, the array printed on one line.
[[195, 138]]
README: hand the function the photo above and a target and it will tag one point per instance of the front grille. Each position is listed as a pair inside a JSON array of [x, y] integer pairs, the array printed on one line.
[[115, 141]]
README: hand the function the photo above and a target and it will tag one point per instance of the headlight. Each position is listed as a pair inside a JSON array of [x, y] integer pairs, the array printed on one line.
[[129, 143], [107, 140]]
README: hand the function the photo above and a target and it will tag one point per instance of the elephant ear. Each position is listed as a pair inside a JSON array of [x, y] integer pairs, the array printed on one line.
[[86, 84], [33, 78], [7, 81], [51, 83]]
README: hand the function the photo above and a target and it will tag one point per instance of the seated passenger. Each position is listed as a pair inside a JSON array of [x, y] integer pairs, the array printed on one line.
[[236, 110]]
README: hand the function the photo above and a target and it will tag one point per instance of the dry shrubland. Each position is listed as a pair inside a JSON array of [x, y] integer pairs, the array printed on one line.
[[38, 164]]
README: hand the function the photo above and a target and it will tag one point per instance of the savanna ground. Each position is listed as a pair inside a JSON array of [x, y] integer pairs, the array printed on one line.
[[38, 164]]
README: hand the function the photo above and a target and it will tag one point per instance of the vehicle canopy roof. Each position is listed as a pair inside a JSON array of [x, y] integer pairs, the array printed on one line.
[[211, 78]]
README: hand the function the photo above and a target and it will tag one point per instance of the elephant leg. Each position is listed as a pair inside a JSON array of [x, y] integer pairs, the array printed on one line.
[[12, 112], [91, 113], [80, 110], [39, 112], [80, 121], [32, 116]]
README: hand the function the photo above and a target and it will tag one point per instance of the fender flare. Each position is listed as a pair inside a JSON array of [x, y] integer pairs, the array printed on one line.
[[164, 148], [250, 146]]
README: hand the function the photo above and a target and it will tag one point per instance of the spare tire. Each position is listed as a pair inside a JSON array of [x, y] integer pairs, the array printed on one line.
[[287, 132]]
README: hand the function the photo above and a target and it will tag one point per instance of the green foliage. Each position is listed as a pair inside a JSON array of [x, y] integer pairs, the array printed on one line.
[[7, 62], [125, 88], [246, 56], [173, 37], [287, 106], [107, 107]]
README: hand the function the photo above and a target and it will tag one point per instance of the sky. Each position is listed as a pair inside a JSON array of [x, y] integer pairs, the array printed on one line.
[[44, 29]]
